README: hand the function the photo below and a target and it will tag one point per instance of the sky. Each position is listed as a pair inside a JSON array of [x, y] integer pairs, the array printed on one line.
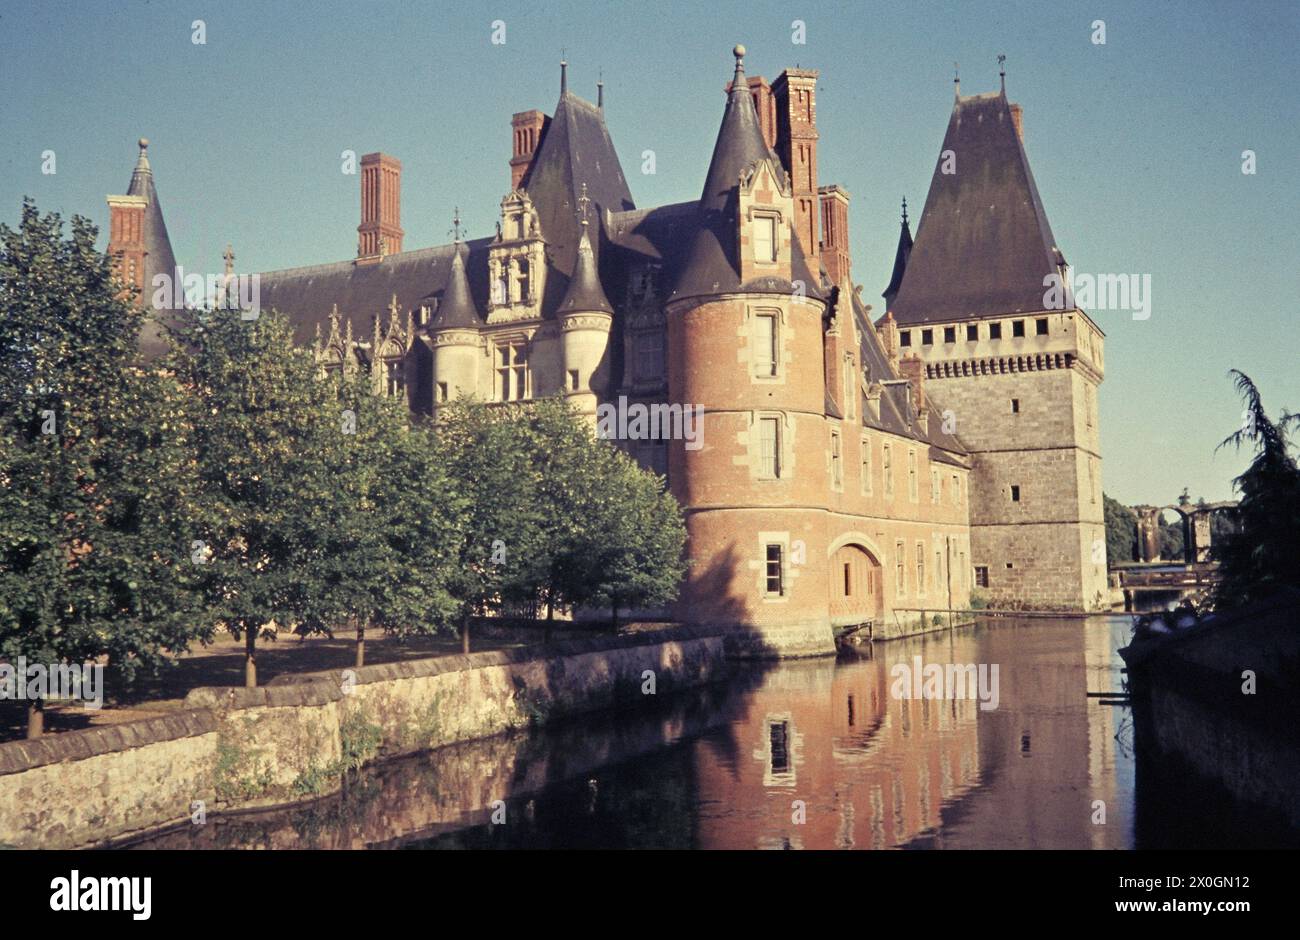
[[1136, 144]]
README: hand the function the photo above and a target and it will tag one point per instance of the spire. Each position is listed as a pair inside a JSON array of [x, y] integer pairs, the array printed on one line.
[[585, 293], [142, 175], [456, 309], [901, 257]]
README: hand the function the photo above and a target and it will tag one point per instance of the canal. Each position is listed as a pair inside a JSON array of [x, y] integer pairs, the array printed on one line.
[[816, 754]]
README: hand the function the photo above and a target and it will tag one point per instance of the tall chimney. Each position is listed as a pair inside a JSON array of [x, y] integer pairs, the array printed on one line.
[[1018, 119], [126, 240], [527, 129], [795, 91], [380, 232], [835, 232]]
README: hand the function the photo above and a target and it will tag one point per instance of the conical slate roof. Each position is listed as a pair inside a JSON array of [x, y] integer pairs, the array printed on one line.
[[158, 258], [456, 309], [712, 265], [983, 246], [585, 293], [900, 260]]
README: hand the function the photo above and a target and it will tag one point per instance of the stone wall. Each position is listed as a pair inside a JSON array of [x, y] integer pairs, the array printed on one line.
[[237, 749]]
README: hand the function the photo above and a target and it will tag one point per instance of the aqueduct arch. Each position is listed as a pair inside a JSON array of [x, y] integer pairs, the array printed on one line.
[[1196, 530]]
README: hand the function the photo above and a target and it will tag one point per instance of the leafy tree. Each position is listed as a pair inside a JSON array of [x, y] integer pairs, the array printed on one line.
[[265, 426], [1121, 530], [1262, 553], [96, 465], [490, 462], [389, 522]]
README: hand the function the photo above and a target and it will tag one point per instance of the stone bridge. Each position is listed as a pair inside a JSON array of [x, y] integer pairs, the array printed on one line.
[[1196, 530]]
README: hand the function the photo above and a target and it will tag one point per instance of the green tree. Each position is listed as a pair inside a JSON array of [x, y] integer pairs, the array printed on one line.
[[1121, 531], [96, 466], [265, 429], [1262, 552], [389, 522]]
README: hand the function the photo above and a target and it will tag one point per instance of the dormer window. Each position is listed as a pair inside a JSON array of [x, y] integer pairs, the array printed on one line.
[[764, 235]]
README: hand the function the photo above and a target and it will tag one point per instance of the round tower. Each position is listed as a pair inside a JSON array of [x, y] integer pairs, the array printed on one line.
[[585, 317], [454, 338], [745, 344]]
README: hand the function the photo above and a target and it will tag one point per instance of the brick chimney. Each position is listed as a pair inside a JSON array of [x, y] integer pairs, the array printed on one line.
[[527, 128], [764, 104], [795, 91], [835, 232], [380, 232], [126, 239], [1018, 118], [913, 369]]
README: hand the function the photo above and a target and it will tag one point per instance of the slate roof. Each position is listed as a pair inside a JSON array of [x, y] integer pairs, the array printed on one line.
[[159, 258], [585, 293], [983, 245], [712, 264], [900, 262], [456, 305]]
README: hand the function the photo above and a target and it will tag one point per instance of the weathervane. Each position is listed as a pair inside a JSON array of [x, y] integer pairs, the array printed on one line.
[[1002, 72], [455, 225], [904, 210]]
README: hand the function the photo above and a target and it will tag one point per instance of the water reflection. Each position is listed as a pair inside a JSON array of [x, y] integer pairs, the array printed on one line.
[[814, 754]]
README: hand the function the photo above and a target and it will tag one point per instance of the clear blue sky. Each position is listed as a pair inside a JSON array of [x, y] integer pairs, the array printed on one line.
[[1136, 146]]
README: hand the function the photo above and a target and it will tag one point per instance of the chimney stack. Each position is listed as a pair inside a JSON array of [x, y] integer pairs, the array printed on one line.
[[795, 91], [913, 369], [1018, 119], [126, 239], [835, 233], [380, 232], [528, 128]]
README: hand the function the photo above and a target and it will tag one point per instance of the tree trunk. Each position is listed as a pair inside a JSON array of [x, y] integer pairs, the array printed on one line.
[[36, 718], [464, 635], [550, 618], [361, 643], [250, 657]]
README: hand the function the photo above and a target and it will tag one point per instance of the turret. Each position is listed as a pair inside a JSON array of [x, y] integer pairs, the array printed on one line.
[[585, 317], [454, 338]]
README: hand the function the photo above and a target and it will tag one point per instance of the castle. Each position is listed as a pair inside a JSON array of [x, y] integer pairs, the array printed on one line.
[[849, 470]]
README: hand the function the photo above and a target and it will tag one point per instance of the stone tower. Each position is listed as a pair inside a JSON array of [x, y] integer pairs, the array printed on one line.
[[1015, 371], [585, 318]]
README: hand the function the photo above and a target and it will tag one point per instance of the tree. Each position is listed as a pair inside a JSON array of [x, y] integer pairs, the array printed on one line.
[[96, 466], [1262, 552], [1121, 531], [490, 462], [389, 522], [265, 424]]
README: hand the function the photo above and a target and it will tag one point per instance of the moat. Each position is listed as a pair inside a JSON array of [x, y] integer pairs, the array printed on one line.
[[734, 765]]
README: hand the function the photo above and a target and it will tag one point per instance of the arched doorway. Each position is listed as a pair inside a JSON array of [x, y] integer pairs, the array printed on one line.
[[855, 582]]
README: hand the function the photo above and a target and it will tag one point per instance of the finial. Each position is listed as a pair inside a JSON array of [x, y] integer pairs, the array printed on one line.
[[739, 53], [956, 80], [564, 73], [904, 210], [229, 257], [583, 202], [455, 226], [144, 143], [1002, 72], [600, 89]]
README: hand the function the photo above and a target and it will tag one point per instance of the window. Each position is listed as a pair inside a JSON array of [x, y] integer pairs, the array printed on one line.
[[837, 464], [900, 573], [848, 580], [764, 239], [1017, 327], [938, 570], [888, 470], [778, 736], [775, 571], [1015, 493], [647, 356], [905, 338], [950, 334], [866, 466], [1040, 326], [394, 381], [982, 576], [512, 373], [920, 567], [765, 349], [769, 443], [927, 337], [1015, 406], [956, 490], [913, 485], [573, 380], [936, 486], [972, 332], [442, 391], [995, 331]]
